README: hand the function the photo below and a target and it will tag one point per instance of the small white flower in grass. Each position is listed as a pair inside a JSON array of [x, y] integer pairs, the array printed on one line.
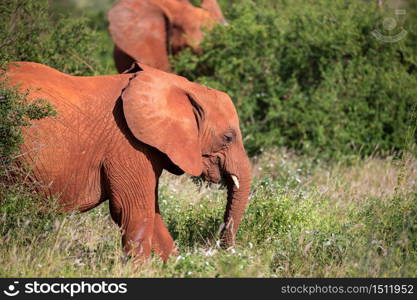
[[210, 252], [250, 245], [79, 263], [179, 257]]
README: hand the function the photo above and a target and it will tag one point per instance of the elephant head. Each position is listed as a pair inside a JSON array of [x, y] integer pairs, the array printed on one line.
[[148, 30], [197, 128], [215, 11], [187, 28]]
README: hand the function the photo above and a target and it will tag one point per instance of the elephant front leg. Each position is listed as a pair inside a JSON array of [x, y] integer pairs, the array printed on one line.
[[137, 236], [133, 187], [137, 228]]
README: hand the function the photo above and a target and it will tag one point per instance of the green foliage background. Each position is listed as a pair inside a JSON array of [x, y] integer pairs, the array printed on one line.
[[30, 31], [309, 75], [305, 75]]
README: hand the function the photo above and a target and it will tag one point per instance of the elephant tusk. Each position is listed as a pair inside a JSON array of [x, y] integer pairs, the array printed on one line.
[[235, 181]]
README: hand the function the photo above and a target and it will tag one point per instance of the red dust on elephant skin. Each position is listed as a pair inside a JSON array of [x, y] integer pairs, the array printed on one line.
[[114, 135]]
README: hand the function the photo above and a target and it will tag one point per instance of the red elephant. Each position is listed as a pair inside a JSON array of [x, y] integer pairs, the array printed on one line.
[[148, 31], [114, 135]]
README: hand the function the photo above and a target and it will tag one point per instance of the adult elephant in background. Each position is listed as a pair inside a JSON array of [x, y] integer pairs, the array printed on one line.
[[148, 31], [114, 135]]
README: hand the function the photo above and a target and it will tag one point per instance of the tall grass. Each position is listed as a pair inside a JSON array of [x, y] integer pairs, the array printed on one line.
[[304, 220]]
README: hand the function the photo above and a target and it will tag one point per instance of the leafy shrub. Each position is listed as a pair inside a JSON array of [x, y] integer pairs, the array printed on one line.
[[192, 223], [310, 76], [15, 112], [93, 14], [273, 211], [29, 32], [25, 214]]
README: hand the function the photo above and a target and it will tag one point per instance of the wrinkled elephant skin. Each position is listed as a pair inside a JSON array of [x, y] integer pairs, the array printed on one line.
[[114, 135]]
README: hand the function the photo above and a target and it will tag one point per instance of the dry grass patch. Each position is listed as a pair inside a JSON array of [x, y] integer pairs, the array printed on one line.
[[305, 218]]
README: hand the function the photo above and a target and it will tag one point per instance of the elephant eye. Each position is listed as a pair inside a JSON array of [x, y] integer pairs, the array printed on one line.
[[228, 137]]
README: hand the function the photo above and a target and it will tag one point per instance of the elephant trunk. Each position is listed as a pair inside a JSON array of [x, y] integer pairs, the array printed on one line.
[[238, 189]]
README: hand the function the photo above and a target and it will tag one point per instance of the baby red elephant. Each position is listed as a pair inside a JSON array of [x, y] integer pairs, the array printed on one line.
[[114, 135]]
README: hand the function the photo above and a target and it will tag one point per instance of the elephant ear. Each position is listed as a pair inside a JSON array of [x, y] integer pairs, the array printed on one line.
[[160, 113], [138, 29]]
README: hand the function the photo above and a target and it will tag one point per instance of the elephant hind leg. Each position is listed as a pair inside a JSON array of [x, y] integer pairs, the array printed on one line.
[[162, 242]]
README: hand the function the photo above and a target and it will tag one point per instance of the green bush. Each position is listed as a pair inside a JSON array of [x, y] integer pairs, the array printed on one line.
[[94, 14], [16, 112], [30, 32], [310, 76]]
